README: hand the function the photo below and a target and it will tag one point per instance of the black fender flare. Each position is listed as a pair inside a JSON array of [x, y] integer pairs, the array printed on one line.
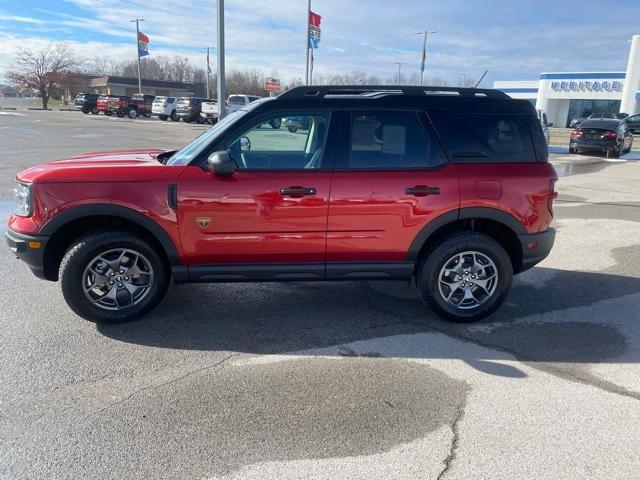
[[485, 213], [111, 210]]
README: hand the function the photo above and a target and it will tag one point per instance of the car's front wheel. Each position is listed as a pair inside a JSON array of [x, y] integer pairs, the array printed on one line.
[[133, 113], [163, 117], [173, 116], [466, 277], [113, 276]]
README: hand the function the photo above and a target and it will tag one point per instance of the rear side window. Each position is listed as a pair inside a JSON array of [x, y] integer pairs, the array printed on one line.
[[391, 140], [485, 138]]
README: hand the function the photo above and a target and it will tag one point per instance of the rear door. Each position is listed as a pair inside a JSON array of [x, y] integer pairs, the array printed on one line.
[[391, 179]]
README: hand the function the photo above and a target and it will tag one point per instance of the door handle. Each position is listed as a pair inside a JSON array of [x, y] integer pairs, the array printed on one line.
[[297, 191], [422, 191]]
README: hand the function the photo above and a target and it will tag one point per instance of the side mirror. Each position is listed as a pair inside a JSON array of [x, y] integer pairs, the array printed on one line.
[[221, 164], [245, 144], [551, 124]]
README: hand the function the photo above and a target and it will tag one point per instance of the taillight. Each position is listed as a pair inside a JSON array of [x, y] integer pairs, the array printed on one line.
[[576, 133], [610, 134]]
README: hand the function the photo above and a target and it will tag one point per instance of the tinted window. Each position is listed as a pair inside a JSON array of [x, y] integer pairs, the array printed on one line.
[[604, 124], [282, 142], [236, 100], [485, 138], [390, 140]]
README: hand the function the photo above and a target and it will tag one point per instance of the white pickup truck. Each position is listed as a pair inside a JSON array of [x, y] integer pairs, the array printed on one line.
[[210, 112]]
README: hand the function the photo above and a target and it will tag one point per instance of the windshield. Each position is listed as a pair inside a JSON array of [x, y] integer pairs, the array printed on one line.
[[188, 153], [236, 100]]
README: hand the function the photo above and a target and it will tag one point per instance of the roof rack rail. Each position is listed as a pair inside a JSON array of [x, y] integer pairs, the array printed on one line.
[[321, 91]]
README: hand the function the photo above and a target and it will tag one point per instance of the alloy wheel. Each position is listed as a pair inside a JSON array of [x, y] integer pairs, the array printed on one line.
[[468, 280], [117, 279]]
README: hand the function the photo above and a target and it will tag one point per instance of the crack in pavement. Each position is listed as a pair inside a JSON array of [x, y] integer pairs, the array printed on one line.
[[448, 461], [163, 384]]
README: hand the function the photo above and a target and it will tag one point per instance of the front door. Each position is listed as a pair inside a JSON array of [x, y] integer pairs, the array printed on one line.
[[391, 179], [272, 210]]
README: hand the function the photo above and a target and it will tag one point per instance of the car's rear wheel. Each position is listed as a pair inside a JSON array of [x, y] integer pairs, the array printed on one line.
[[132, 113], [163, 117], [465, 278], [113, 276], [276, 123], [292, 129], [95, 111], [173, 116], [85, 110]]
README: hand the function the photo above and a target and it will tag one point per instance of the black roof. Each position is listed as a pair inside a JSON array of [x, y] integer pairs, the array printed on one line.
[[458, 100], [608, 123]]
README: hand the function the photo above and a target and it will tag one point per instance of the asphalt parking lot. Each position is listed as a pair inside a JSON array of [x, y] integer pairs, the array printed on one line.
[[329, 381]]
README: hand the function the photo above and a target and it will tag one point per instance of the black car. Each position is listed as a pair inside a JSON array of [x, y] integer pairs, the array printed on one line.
[[575, 122], [188, 108], [602, 134], [87, 102], [633, 123]]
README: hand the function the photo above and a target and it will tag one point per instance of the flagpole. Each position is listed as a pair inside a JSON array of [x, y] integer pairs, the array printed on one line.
[[208, 70], [137, 20], [220, 47], [307, 42], [424, 56]]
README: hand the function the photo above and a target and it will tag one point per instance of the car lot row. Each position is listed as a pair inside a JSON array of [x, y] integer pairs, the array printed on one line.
[[187, 109]]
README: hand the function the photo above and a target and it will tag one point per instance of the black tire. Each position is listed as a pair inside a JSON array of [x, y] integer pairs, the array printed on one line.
[[132, 113], [84, 250], [163, 117], [147, 114], [108, 114], [618, 152], [85, 110], [275, 123], [573, 150], [119, 114], [173, 116], [427, 275], [95, 111], [292, 129]]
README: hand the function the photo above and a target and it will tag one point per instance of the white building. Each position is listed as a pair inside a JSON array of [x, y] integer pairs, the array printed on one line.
[[568, 95]]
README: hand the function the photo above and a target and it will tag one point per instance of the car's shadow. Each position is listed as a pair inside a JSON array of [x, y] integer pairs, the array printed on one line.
[[292, 317]]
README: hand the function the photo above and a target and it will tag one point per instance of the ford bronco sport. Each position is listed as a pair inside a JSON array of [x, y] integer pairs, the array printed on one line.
[[448, 186]]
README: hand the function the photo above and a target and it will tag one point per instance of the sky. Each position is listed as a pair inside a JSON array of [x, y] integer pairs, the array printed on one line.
[[513, 39]]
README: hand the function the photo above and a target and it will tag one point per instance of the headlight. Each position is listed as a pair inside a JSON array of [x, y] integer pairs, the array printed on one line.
[[23, 199]]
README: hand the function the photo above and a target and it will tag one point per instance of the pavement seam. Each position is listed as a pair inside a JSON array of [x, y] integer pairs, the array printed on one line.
[[453, 449]]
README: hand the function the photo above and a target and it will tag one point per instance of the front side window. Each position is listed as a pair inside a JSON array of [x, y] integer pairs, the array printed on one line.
[[391, 140], [280, 141]]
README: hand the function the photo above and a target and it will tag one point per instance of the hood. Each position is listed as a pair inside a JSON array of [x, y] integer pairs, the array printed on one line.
[[111, 166]]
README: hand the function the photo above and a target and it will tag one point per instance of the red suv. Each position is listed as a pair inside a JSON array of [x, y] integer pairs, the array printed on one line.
[[449, 186]]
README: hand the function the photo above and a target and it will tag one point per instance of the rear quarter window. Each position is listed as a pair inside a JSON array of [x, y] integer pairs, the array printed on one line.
[[481, 138]]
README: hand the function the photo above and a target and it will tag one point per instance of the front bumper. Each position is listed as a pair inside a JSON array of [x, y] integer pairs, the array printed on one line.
[[29, 249], [536, 247]]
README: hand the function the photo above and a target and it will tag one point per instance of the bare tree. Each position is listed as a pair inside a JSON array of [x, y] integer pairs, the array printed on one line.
[[43, 69], [466, 81], [436, 81], [106, 66]]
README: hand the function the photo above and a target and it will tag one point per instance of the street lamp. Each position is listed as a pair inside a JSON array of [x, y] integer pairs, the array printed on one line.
[[399, 69], [424, 52]]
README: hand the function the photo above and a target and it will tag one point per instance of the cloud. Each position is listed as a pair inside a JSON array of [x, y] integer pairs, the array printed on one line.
[[513, 40]]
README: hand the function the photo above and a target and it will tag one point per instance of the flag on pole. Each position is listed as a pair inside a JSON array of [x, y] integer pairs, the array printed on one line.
[[143, 45], [314, 30]]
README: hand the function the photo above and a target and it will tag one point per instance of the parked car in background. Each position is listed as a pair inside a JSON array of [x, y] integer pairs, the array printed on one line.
[[544, 123], [165, 107], [293, 124], [210, 112], [188, 108], [140, 104], [87, 102], [103, 104], [236, 102], [602, 134], [117, 105], [633, 123]]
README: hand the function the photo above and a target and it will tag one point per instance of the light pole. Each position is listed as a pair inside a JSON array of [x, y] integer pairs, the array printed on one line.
[[208, 73], [399, 69], [221, 79], [137, 22], [424, 52]]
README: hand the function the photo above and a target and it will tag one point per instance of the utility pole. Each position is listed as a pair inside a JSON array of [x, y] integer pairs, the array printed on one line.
[[464, 79], [424, 53], [208, 73], [138, 20], [399, 70], [221, 78], [306, 81]]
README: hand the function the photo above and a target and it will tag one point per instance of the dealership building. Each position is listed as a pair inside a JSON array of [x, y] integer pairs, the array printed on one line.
[[568, 95]]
